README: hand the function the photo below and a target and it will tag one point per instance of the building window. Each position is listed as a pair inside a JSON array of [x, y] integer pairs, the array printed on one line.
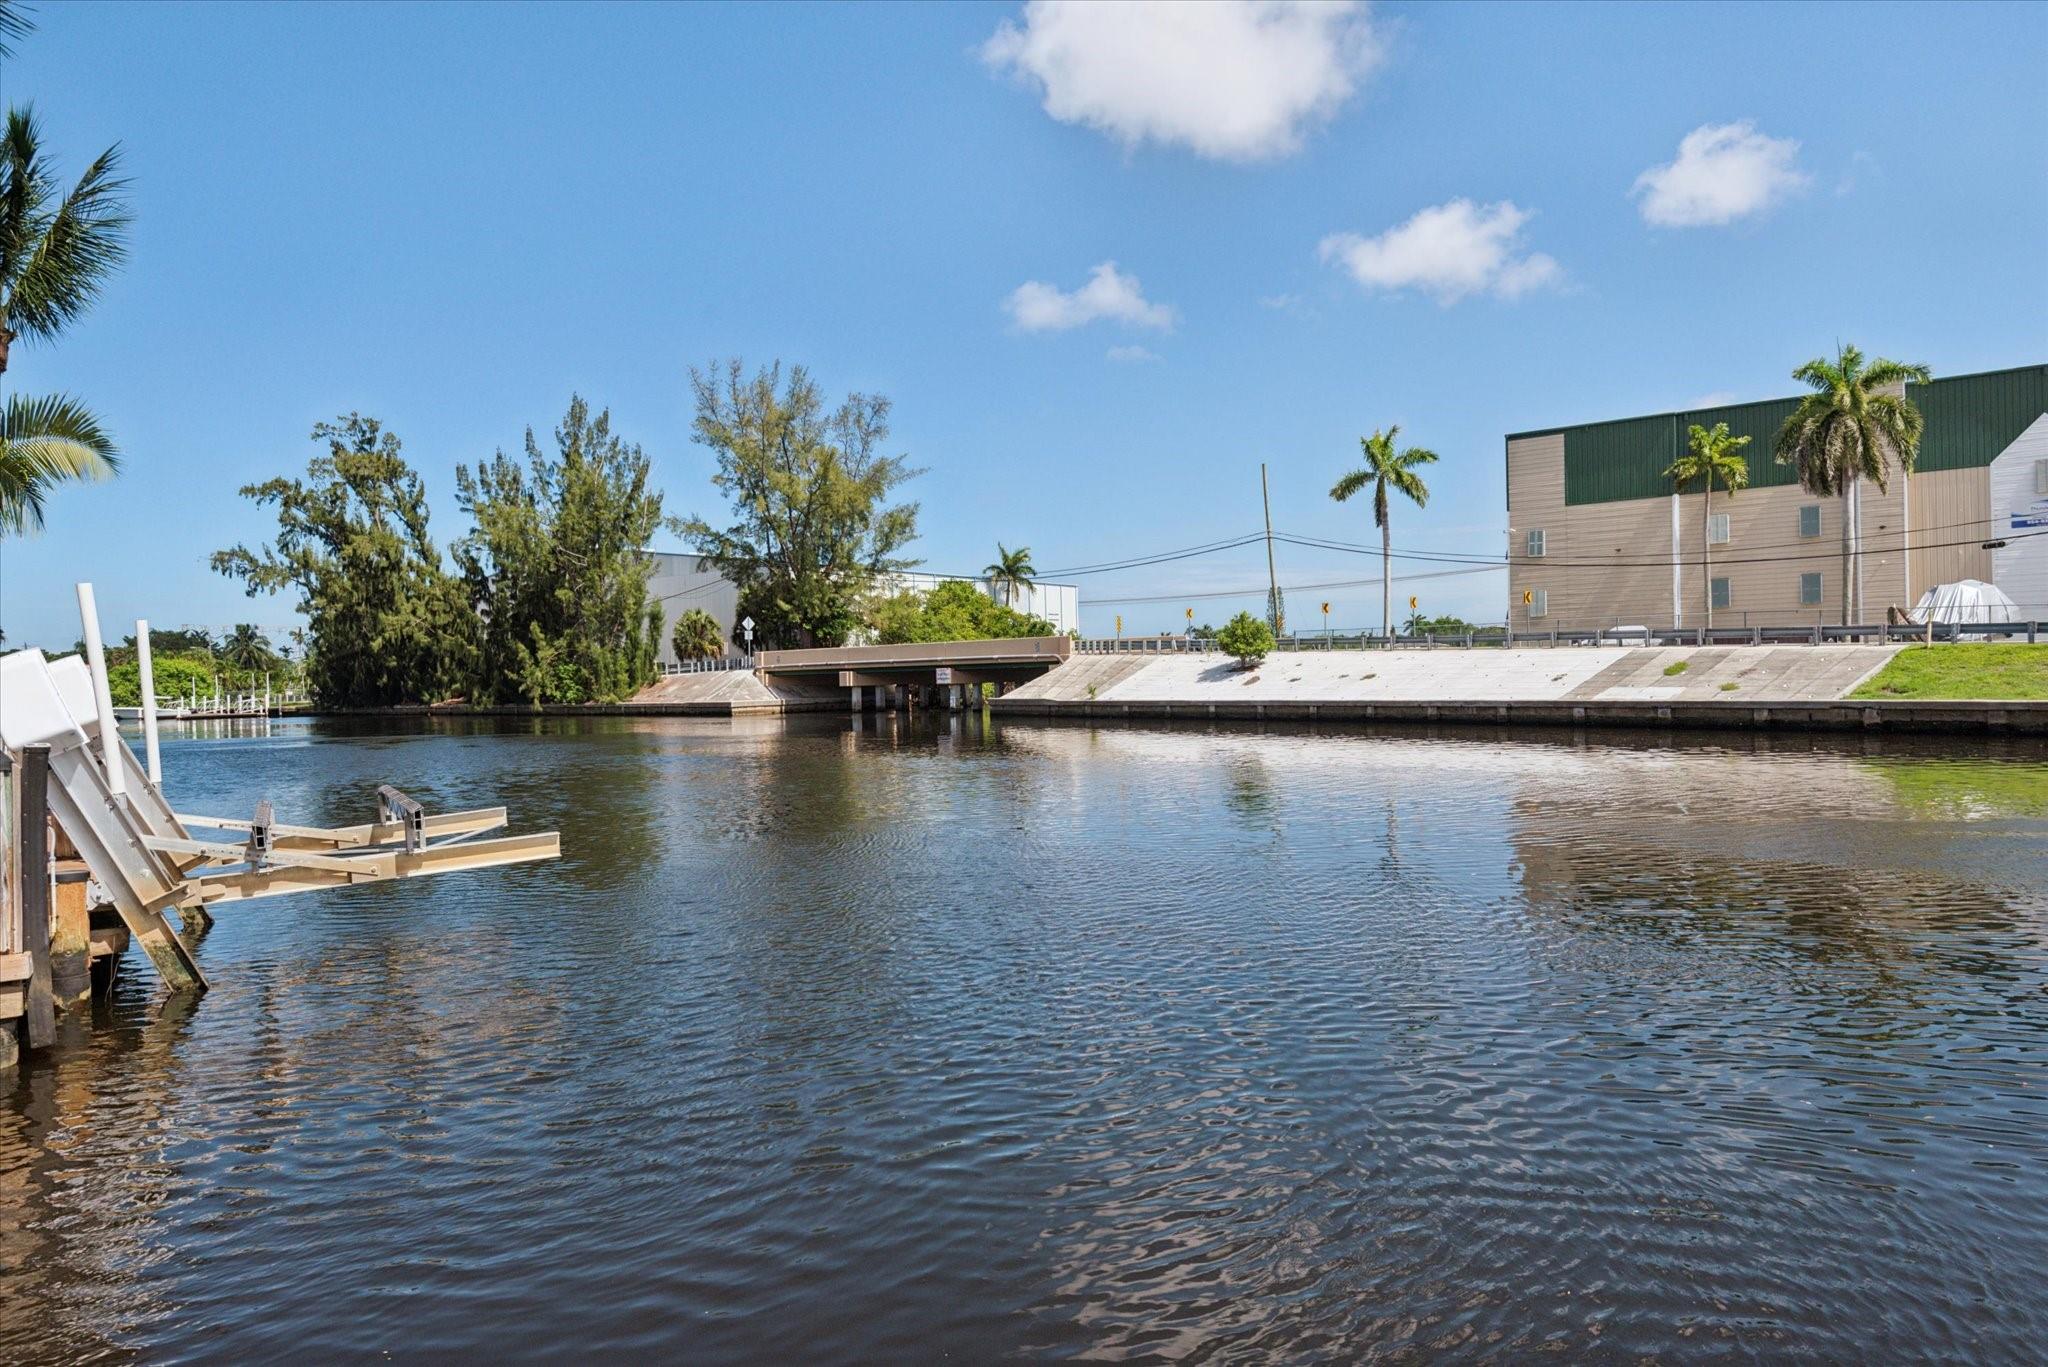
[[1717, 530], [1722, 596], [1809, 519], [1536, 544], [1809, 590], [1539, 602], [2041, 479]]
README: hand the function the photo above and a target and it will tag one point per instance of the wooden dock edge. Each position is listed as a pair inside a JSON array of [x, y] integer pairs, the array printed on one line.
[[1889, 715]]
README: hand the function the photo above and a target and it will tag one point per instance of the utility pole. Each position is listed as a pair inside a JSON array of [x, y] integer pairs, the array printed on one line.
[[1272, 577]]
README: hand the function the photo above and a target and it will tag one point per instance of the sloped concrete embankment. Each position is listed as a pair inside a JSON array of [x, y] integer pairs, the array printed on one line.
[[732, 693], [1790, 687]]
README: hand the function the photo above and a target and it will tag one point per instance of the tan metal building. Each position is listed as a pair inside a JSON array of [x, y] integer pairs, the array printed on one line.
[[1599, 538]]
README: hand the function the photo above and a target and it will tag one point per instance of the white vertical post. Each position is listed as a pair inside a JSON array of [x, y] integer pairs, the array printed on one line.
[[103, 700], [148, 681]]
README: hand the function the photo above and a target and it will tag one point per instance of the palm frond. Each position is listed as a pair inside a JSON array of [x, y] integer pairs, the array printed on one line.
[[1356, 480], [23, 189], [84, 239], [1410, 484], [46, 441], [1883, 372], [14, 23]]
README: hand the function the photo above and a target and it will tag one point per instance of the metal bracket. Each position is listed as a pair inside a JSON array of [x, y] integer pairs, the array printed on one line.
[[260, 838], [392, 805]]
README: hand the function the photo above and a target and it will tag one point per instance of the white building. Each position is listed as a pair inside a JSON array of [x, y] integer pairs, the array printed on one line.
[[684, 581]]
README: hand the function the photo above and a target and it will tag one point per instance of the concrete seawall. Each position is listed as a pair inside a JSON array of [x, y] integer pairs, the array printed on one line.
[[1790, 687]]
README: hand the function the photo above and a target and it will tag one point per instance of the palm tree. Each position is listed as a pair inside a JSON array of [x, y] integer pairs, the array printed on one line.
[[246, 648], [1386, 467], [1012, 570], [56, 251], [43, 442], [1711, 455], [1848, 430], [696, 636]]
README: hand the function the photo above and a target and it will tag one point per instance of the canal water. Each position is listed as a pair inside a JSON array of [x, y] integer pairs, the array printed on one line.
[[834, 1041]]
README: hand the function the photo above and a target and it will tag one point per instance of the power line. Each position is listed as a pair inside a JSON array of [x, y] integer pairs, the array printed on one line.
[[1661, 562], [1287, 588], [1887, 536]]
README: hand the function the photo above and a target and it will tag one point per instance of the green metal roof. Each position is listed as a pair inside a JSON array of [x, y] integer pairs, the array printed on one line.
[[1970, 419]]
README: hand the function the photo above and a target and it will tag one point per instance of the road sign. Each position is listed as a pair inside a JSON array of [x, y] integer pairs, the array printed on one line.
[[1119, 624], [1411, 603], [1528, 597], [1326, 609], [943, 674]]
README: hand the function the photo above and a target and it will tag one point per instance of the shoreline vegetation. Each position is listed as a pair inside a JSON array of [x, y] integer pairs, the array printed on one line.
[[543, 599], [1954, 672]]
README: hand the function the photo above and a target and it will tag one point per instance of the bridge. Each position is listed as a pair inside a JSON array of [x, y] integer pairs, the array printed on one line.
[[939, 672]]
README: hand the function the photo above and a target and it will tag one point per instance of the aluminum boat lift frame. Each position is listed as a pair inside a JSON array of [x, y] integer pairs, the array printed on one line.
[[142, 855]]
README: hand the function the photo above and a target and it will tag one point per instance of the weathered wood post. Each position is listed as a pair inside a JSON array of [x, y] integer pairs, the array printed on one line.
[[41, 1014], [70, 928]]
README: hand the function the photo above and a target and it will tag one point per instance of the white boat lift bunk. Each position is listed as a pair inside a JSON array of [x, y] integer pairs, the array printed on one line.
[[143, 857]]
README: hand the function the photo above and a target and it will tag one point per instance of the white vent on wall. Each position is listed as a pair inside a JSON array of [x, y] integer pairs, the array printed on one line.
[[1539, 602], [1717, 529], [2041, 479]]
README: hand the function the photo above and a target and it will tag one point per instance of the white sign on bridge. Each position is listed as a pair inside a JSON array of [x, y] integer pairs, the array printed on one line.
[[943, 674]]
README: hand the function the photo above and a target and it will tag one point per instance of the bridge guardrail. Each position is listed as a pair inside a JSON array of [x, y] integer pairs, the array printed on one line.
[[1938, 633]]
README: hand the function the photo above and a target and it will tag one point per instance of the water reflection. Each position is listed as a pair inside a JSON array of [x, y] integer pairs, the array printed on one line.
[[840, 1038]]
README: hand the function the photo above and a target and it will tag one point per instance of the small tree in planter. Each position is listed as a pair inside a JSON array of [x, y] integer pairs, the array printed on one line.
[[1245, 638]]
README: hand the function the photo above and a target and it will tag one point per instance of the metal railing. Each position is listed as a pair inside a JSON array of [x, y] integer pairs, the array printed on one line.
[[724, 662], [2032, 632]]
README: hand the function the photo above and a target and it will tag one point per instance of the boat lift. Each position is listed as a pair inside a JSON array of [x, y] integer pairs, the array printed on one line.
[[143, 857]]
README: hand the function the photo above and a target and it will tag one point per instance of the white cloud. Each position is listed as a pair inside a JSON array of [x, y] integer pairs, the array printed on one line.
[[1236, 80], [1035, 306], [1723, 171], [1448, 251], [1131, 355], [1719, 398]]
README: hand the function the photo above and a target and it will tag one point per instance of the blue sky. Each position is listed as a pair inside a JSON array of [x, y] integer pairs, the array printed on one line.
[[1321, 222]]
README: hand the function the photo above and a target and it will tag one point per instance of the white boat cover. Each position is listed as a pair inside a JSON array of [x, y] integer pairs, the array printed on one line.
[[1966, 600]]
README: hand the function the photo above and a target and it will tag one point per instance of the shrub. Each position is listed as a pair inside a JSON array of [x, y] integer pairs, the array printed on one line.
[[1245, 638], [697, 637]]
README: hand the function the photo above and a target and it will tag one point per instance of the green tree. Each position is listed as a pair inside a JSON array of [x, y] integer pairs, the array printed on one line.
[[953, 611], [696, 636], [812, 525], [176, 676], [1848, 430], [43, 442], [1246, 639], [245, 648], [387, 622], [57, 249], [1386, 468], [556, 565], [1710, 455], [1010, 571], [176, 641]]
